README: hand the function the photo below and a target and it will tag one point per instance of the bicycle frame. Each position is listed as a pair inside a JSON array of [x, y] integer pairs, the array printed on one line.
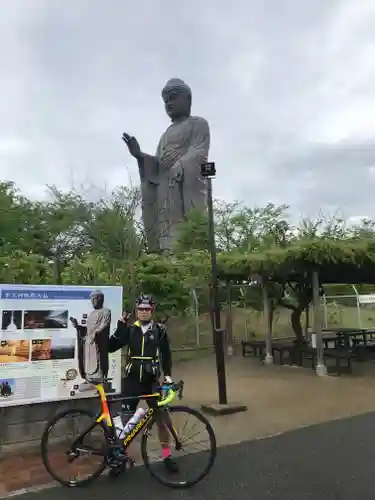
[[106, 416]]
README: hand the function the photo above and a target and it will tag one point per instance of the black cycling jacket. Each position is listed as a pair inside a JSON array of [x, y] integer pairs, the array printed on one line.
[[146, 351]]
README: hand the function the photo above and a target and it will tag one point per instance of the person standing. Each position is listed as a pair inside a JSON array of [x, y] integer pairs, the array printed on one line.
[[148, 354]]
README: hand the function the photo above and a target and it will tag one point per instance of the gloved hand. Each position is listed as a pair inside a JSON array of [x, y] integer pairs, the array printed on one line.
[[168, 380], [125, 317]]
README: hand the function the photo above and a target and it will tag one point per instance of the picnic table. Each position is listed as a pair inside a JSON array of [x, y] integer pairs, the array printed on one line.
[[348, 338], [341, 344], [296, 353]]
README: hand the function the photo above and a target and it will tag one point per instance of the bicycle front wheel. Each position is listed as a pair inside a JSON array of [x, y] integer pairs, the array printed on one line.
[[193, 452], [74, 447]]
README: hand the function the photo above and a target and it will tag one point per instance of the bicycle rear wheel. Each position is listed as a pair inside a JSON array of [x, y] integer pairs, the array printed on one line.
[[70, 436], [193, 465]]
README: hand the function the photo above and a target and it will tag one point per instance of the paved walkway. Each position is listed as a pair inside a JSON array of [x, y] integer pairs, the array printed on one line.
[[333, 461], [279, 399]]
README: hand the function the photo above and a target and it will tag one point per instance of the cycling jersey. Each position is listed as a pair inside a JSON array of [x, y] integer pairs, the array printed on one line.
[[148, 349]]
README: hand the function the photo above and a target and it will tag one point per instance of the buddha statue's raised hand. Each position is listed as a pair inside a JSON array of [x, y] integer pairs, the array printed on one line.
[[133, 145]]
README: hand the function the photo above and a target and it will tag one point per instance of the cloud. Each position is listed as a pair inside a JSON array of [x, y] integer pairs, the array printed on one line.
[[13, 146], [287, 88]]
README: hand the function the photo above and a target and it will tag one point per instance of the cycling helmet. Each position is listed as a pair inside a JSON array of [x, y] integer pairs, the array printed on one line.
[[146, 300]]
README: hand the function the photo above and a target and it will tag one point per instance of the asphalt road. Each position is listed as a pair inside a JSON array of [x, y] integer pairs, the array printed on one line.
[[334, 461]]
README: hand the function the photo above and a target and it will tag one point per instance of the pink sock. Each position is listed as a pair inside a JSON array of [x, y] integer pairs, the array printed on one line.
[[166, 452]]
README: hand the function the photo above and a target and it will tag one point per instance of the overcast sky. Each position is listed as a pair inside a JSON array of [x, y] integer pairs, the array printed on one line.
[[286, 85]]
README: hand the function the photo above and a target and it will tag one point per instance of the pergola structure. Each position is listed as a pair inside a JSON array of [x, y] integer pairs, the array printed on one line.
[[319, 261]]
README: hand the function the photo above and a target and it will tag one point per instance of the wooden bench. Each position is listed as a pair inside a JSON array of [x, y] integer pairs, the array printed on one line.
[[303, 352], [281, 349], [342, 357], [299, 353], [254, 347]]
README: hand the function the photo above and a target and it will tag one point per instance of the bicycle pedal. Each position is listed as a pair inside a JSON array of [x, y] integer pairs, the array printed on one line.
[[117, 470]]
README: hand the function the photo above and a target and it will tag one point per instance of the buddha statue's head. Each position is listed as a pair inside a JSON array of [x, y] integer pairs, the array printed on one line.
[[177, 99]]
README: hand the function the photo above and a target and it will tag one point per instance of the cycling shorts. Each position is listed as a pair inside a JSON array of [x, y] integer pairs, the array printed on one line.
[[132, 388]]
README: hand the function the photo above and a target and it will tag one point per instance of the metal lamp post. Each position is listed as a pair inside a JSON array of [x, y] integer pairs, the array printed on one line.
[[208, 171]]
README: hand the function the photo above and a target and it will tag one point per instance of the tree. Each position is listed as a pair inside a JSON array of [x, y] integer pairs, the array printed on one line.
[[24, 268], [88, 269], [334, 228], [237, 227], [257, 228], [297, 298], [20, 221], [164, 279], [225, 227], [192, 233], [365, 229], [338, 261], [64, 222], [102, 243], [114, 229]]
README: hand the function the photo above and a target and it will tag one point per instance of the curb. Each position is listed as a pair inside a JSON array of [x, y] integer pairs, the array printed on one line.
[[45, 486], [31, 489]]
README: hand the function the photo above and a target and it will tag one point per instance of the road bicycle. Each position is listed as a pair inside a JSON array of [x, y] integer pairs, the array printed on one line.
[[113, 454]]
